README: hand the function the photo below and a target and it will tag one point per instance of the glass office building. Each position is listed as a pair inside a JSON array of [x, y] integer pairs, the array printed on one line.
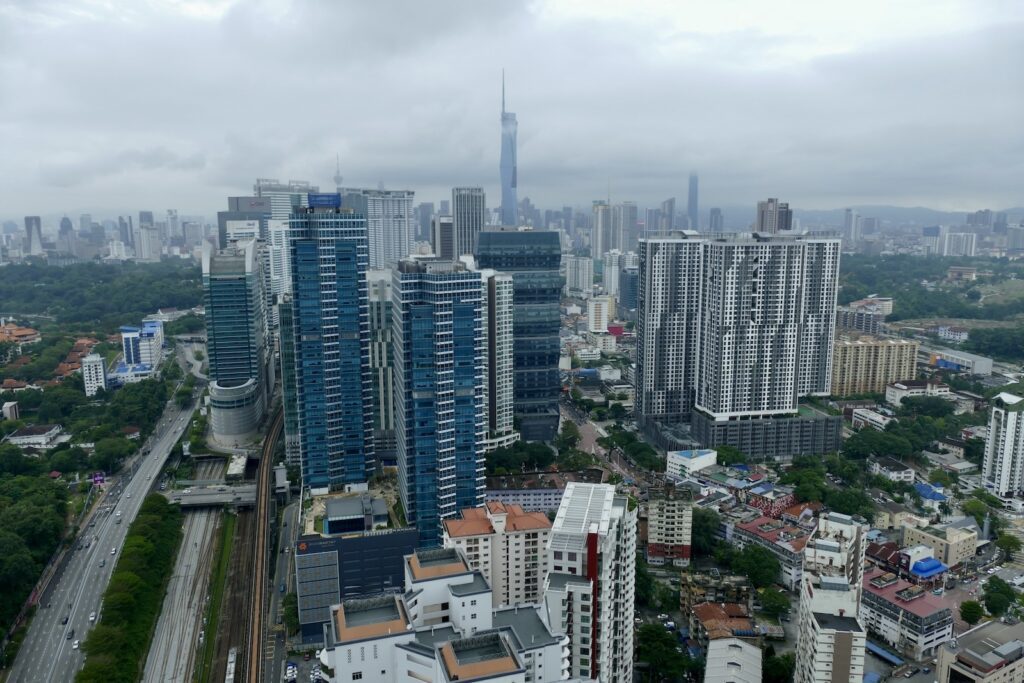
[[440, 357], [532, 257], [328, 350]]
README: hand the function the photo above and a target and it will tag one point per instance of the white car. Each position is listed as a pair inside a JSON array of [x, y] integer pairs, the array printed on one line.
[[113, 551], [74, 645], [92, 616], [129, 495]]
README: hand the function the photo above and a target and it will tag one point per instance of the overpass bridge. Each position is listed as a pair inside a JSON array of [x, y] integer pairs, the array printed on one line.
[[214, 495]]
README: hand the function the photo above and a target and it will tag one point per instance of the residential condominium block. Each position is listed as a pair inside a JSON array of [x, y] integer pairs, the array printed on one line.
[[440, 356], [670, 525], [590, 589], [1003, 466], [507, 545], [830, 638], [325, 345], [94, 373], [734, 326], [865, 365]]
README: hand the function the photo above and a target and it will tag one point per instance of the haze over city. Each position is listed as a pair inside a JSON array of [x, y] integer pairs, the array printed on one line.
[[108, 107]]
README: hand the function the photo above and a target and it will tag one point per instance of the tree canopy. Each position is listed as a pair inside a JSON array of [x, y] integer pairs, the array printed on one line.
[[971, 611]]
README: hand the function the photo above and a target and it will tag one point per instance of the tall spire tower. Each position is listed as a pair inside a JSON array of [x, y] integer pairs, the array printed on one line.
[[507, 165], [337, 170]]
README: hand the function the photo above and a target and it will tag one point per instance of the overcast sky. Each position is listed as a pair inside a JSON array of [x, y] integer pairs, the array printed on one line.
[[148, 104]]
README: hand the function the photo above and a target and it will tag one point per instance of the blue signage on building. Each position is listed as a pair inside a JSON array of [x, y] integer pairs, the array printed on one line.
[[329, 200]]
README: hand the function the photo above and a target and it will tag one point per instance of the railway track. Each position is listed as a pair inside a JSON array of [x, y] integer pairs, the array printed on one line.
[[254, 670]]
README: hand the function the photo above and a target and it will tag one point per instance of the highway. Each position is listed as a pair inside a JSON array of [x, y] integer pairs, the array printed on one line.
[[77, 588], [176, 640]]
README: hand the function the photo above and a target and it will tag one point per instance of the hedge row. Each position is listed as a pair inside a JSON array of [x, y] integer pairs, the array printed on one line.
[[117, 647]]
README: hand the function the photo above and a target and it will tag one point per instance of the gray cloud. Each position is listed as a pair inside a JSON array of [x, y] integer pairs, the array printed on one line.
[[147, 107]]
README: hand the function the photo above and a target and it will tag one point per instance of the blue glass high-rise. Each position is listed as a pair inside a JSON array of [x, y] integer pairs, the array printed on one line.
[[439, 347], [329, 344]]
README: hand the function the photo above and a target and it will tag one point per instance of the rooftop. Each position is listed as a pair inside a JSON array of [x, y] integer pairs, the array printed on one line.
[[527, 625], [724, 619], [585, 509], [34, 430], [370, 618], [477, 521], [476, 657], [434, 563], [559, 580], [891, 465], [776, 531], [477, 585], [837, 623], [903, 594], [990, 646]]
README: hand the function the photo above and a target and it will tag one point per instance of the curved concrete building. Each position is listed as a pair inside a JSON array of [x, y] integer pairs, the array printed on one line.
[[235, 409]]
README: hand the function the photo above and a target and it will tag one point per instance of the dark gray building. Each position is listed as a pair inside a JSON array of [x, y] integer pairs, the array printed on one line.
[[241, 212], [770, 438], [532, 258], [329, 569], [629, 288]]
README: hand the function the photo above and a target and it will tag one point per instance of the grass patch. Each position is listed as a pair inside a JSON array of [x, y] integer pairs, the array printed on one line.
[[217, 580]]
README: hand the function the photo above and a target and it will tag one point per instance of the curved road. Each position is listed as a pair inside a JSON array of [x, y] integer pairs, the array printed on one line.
[[76, 590]]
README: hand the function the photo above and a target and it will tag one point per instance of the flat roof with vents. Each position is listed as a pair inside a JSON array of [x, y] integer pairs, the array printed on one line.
[[585, 509]]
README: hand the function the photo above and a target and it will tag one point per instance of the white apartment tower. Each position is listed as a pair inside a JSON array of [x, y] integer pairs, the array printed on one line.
[[284, 196], [498, 386], [590, 590], [507, 545], [601, 235], [1003, 467], [830, 637], [94, 373], [599, 313], [959, 244], [614, 262], [736, 326], [469, 215], [579, 276], [389, 222]]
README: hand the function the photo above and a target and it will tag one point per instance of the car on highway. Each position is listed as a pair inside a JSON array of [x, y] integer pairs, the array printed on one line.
[[129, 495], [103, 563], [113, 551], [92, 616], [74, 645], [71, 634], [64, 621]]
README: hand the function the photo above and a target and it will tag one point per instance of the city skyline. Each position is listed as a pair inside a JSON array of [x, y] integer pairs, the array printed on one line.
[[816, 81]]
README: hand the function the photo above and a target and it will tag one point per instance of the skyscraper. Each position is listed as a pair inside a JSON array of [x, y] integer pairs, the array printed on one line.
[[424, 212], [773, 216], [579, 276], [614, 262], [716, 222], [382, 366], [442, 237], [237, 338], [851, 225], [508, 167], [692, 212], [1003, 467], [499, 384], [284, 196], [736, 327], [66, 241], [33, 236], [624, 226], [469, 215], [667, 216], [246, 218], [329, 327], [830, 638], [601, 238], [389, 222], [532, 258], [439, 365]]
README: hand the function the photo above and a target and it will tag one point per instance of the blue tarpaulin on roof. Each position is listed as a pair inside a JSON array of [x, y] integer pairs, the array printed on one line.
[[928, 568], [883, 654]]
